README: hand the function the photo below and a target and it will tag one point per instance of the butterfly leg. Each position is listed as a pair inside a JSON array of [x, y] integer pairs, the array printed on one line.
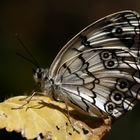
[[28, 99], [68, 116]]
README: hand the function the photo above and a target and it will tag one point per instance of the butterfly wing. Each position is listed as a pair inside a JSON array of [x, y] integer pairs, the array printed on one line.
[[98, 70]]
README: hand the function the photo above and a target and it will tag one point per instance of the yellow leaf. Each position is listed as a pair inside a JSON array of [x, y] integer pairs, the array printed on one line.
[[42, 117]]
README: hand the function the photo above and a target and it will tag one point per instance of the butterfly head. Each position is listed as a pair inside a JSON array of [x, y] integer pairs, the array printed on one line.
[[40, 75], [41, 78]]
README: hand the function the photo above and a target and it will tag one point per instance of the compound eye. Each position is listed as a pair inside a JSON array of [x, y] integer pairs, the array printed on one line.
[[39, 75], [39, 70]]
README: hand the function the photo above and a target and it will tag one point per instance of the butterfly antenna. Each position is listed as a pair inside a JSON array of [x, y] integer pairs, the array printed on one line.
[[33, 60], [26, 58]]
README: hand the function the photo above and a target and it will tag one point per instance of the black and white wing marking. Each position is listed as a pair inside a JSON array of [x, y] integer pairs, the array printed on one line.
[[98, 70]]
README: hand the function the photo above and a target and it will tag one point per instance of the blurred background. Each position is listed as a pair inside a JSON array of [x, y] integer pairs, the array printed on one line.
[[45, 26]]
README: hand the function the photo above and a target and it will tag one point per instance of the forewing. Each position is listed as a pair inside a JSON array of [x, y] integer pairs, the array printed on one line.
[[98, 70]]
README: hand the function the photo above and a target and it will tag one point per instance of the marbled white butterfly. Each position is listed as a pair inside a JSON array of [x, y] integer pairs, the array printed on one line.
[[98, 71]]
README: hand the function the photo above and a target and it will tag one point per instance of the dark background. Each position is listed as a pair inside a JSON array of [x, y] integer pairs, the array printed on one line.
[[45, 26]]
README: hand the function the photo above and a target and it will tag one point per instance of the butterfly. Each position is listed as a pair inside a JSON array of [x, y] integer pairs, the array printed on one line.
[[98, 71]]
